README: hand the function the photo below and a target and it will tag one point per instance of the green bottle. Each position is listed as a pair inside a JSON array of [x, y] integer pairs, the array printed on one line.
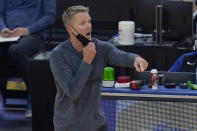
[[108, 77]]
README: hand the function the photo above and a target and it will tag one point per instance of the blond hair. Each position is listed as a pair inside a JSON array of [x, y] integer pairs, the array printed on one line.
[[71, 11]]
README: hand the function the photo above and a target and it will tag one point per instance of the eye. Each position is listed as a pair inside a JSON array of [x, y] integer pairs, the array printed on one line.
[[82, 23]]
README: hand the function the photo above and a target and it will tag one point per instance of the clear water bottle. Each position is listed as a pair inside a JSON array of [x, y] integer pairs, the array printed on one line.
[[195, 45]]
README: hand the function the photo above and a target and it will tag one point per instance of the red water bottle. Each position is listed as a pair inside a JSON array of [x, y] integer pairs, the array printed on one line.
[[153, 79]]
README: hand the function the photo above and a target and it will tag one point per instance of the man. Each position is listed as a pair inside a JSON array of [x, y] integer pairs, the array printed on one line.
[[78, 71], [185, 63], [26, 19]]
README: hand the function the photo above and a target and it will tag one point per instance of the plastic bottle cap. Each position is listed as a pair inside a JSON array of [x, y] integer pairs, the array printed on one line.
[[153, 71]]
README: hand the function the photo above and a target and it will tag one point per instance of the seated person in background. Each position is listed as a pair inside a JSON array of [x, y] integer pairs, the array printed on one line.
[[27, 19], [186, 63], [78, 71]]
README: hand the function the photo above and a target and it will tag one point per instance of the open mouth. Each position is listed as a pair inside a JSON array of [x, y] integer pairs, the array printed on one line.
[[88, 35]]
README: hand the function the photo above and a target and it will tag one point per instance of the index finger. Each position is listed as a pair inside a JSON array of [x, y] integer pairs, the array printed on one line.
[[141, 67], [137, 68]]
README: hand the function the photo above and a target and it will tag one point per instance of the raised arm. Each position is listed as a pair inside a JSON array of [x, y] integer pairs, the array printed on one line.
[[121, 58]]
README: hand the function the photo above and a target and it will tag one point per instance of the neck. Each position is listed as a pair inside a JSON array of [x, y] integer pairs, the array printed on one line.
[[76, 43]]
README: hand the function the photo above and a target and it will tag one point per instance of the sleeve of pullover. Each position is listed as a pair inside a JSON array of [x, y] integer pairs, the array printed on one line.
[[118, 57]]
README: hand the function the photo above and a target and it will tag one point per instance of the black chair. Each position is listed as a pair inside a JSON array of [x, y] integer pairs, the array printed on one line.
[[43, 95]]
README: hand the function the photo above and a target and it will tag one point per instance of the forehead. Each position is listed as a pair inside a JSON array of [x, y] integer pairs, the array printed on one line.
[[81, 16]]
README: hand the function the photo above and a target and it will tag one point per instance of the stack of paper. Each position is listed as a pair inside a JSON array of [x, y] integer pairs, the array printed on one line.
[[8, 39]]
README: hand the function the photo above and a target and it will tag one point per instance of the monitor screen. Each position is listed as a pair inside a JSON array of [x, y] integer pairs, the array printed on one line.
[[176, 18], [145, 16]]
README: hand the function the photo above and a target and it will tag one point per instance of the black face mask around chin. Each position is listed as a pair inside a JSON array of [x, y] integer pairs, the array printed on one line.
[[82, 39]]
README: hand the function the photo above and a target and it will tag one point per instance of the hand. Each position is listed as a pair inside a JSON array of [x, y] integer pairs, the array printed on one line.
[[89, 52], [6, 32], [20, 32], [140, 64]]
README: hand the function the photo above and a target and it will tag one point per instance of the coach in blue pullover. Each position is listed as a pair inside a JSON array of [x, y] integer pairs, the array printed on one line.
[[27, 19]]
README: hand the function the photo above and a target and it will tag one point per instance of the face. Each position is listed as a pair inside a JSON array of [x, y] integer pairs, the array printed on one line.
[[82, 23]]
